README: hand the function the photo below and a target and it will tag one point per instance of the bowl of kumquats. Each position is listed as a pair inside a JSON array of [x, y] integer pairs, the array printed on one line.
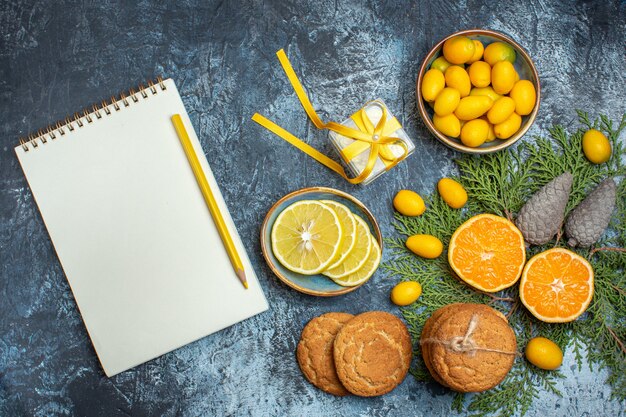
[[478, 91]]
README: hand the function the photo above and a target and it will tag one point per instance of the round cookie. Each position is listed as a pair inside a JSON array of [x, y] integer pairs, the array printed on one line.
[[478, 370], [440, 316], [433, 322], [315, 352], [372, 353]]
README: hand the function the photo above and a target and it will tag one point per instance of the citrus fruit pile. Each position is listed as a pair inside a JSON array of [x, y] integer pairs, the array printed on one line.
[[313, 237], [475, 91]]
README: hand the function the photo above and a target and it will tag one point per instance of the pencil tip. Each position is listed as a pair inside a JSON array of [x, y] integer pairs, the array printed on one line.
[[242, 277]]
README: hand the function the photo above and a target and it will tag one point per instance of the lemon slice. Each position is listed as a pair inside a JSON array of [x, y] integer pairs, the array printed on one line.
[[348, 225], [366, 271], [358, 255], [306, 237]]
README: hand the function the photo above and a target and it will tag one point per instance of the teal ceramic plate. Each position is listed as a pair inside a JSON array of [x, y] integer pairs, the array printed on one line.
[[312, 284]]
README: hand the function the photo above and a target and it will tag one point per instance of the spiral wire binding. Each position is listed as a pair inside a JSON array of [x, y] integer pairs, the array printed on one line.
[[96, 112]]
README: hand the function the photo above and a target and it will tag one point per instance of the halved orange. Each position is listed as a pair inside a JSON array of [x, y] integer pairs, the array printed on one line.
[[557, 285], [487, 252]]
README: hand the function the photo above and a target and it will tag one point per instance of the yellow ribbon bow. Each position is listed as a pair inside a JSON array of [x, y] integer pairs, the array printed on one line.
[[375, 138]]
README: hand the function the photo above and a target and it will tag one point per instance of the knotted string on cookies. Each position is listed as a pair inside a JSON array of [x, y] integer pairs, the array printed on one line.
[[465, 344]]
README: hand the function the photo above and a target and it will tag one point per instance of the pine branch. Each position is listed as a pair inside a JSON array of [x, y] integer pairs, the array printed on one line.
[[501, 183]]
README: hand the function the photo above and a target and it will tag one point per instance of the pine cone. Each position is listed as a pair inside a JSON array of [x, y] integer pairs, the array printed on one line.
[[589, 219], [541, 217]]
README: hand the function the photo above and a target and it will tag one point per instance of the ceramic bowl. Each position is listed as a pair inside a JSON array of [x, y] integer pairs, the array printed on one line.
[[523, 65], [319, 285]]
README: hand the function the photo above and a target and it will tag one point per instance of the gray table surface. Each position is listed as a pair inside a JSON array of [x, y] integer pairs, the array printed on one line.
[[58, 57]]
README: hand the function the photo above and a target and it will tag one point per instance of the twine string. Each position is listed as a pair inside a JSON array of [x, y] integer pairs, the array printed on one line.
[[465, 344]]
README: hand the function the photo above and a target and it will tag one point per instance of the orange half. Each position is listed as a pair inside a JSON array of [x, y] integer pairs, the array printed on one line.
[[487, 252], [557, 285]]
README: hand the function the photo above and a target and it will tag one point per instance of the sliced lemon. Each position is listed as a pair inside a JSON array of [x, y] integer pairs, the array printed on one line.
[[306, 237], [357, 256], [366, 271], [348, 225]]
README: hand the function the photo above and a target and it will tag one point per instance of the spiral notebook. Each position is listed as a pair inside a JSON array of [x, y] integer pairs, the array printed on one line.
[[133, 234]]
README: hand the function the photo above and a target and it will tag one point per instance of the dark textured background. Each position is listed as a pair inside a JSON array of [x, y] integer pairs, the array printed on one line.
[[56, 58]]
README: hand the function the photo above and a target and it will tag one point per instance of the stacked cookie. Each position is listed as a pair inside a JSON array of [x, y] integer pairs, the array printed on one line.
[[468, 347], [366, 355]]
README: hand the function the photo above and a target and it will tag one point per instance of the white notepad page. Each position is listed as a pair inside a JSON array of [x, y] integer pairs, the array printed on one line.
[[135, 238]]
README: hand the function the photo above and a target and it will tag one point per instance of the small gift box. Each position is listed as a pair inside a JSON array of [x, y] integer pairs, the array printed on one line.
[[356, 153], [371, 141]]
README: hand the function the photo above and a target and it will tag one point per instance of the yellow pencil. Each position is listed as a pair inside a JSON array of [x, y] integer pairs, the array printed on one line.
[[209, 198]]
